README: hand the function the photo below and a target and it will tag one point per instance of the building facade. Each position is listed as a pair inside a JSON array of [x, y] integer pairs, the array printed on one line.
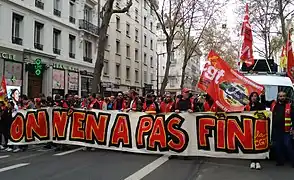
[[50, 47], [192, 71]]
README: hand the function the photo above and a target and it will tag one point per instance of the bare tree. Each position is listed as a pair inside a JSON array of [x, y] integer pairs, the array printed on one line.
[[170, 18], [107, 12], [199, 17], [284, 11]]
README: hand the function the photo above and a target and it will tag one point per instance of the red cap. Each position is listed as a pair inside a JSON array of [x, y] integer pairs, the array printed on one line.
[[184, 90]]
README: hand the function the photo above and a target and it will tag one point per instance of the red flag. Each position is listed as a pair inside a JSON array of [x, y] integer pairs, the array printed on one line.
[[290, 63], [246, 32], [228, 88], [3, 89]]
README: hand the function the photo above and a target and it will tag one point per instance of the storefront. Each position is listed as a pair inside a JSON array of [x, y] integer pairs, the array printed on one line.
[[73, 83], [86, 83], [11, 66]]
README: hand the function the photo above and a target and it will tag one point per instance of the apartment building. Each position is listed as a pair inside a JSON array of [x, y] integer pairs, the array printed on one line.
[[192, 71], [50, 47]]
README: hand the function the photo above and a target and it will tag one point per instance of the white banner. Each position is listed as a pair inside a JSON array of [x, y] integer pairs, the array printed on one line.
[[231, 135]]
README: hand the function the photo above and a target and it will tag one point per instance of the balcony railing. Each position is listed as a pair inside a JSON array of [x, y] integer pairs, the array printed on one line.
[[17, 40], [57, 12], [85, 25], [39, 4], [38, 46], [72, 20], [72, 55], [87, 59], [56, 51]]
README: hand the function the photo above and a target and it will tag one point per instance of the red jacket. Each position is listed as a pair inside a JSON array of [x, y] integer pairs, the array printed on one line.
[[123, 106], [208, 108], [151, 107], [166, 107]]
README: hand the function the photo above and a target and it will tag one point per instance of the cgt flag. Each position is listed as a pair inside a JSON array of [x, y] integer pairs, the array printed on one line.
[[290, 58], [246, 32], [3, 89], [227, 87]]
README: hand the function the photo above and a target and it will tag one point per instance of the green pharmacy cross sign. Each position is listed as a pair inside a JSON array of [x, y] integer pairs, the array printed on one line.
[[38, 66]]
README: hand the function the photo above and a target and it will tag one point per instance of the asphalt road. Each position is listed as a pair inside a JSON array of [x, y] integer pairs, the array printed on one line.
[[75, 164]]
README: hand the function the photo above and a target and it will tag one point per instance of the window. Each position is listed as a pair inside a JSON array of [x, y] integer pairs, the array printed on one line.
[[39, 4], [145, 40], [127, 73], [152, 77], [145, 4], [107, 42], [151, 26], [151, 61], [87, 51], [38, 35], [57, 8], [145, 58], [145, 76], [105, 68], [136, 54], [136, 34], [137, 75], [117, 23], [72, 46], [128, 29], [117, 47], [117, 70], [145, 21], [151, 11], [136, 15], [88, 14], [151, 44], [17, 27], [128, 52], [72, 12], [56, 41]]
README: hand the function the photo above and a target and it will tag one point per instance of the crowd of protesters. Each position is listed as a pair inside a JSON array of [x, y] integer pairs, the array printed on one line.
[[282, 110]]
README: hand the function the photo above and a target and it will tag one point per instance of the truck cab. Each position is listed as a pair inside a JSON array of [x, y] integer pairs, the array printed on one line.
[[273, 84]]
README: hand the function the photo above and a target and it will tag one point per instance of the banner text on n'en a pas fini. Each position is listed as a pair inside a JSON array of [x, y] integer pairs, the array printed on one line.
[[232, 135]]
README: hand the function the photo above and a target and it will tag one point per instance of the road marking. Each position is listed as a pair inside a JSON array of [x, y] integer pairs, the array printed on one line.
[[6, 156], [13, 167], [68, 152], [148, 169]]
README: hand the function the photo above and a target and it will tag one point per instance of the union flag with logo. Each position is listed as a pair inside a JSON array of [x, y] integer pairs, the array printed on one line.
[[228, 88]]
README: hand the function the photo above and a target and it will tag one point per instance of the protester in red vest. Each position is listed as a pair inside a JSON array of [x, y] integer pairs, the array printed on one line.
[[254, 105], [93, 102], [150, 105], [184, 103], [135, 102], [119, 104], [282, 129], [66, 103], [167, 104]]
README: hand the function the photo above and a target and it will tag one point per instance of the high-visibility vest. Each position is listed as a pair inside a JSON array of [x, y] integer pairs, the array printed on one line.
[[151, 107], [288, 122], [166, 107]]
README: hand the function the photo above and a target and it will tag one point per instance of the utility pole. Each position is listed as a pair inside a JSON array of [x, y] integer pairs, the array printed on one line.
[[157, 71]]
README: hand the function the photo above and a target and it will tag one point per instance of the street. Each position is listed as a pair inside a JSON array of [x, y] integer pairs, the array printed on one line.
[[75, 164]]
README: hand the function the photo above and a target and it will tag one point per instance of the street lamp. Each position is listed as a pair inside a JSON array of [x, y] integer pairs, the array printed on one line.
[[157, 71]]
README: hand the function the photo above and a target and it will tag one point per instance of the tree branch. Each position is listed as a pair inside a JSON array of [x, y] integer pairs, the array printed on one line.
[[123, 10]]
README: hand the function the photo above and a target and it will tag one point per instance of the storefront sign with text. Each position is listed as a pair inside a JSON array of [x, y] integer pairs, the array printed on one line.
[[232, 135]]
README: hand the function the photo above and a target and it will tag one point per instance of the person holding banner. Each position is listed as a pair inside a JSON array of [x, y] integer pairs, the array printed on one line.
[[185, 102], [136, 103], [254, 105], [167, 104], [150, 106], [120, 103], [282, 128]]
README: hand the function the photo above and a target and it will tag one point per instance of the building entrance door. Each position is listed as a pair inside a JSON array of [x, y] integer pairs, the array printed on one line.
[[34, 85]]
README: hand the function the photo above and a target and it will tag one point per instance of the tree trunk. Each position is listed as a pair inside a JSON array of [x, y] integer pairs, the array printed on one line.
[[282, 18], [167, 66], [96, 84], [183, 74]]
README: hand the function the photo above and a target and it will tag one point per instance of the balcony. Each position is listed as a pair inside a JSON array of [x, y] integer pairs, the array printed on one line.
[[87, 59], [38, 46], [17, 40], [39, 4], [87, 26], [57, 12], [56, 51], [72, 20], [72, 55]]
